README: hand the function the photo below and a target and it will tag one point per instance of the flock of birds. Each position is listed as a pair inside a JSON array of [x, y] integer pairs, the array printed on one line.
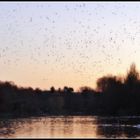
[[80, 45]]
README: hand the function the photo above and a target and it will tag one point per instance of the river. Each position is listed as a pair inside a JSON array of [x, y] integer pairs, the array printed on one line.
[[71, 127]]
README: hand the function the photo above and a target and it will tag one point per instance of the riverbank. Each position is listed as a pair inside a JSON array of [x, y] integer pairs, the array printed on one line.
[[15, 116]]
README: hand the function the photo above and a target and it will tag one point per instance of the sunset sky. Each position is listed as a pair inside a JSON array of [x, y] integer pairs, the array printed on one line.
[[44, 44]]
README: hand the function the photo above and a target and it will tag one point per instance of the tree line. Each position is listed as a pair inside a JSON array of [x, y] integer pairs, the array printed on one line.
[[113, 95]]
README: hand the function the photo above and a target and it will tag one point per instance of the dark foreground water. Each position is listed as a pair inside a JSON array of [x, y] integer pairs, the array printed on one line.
[[71, 127]]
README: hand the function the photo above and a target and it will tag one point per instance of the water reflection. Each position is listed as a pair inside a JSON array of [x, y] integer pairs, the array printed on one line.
[[119, 127], [71, 127]]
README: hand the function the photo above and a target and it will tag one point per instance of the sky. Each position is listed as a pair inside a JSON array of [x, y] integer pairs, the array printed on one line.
[[44, 44]]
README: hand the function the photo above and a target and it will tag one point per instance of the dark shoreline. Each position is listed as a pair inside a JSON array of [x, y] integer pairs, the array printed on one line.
[[15, 116]]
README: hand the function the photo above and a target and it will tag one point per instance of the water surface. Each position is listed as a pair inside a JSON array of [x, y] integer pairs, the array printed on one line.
[[71, 127]]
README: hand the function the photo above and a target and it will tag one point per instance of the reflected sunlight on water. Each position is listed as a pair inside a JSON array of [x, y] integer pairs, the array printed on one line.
[[70, 127]]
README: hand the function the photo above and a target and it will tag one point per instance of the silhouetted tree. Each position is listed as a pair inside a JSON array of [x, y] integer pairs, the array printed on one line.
[[68, 89], [86, 89], [65, 89], [107, 83], [59, 90], [52, 89], [132, 77]]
